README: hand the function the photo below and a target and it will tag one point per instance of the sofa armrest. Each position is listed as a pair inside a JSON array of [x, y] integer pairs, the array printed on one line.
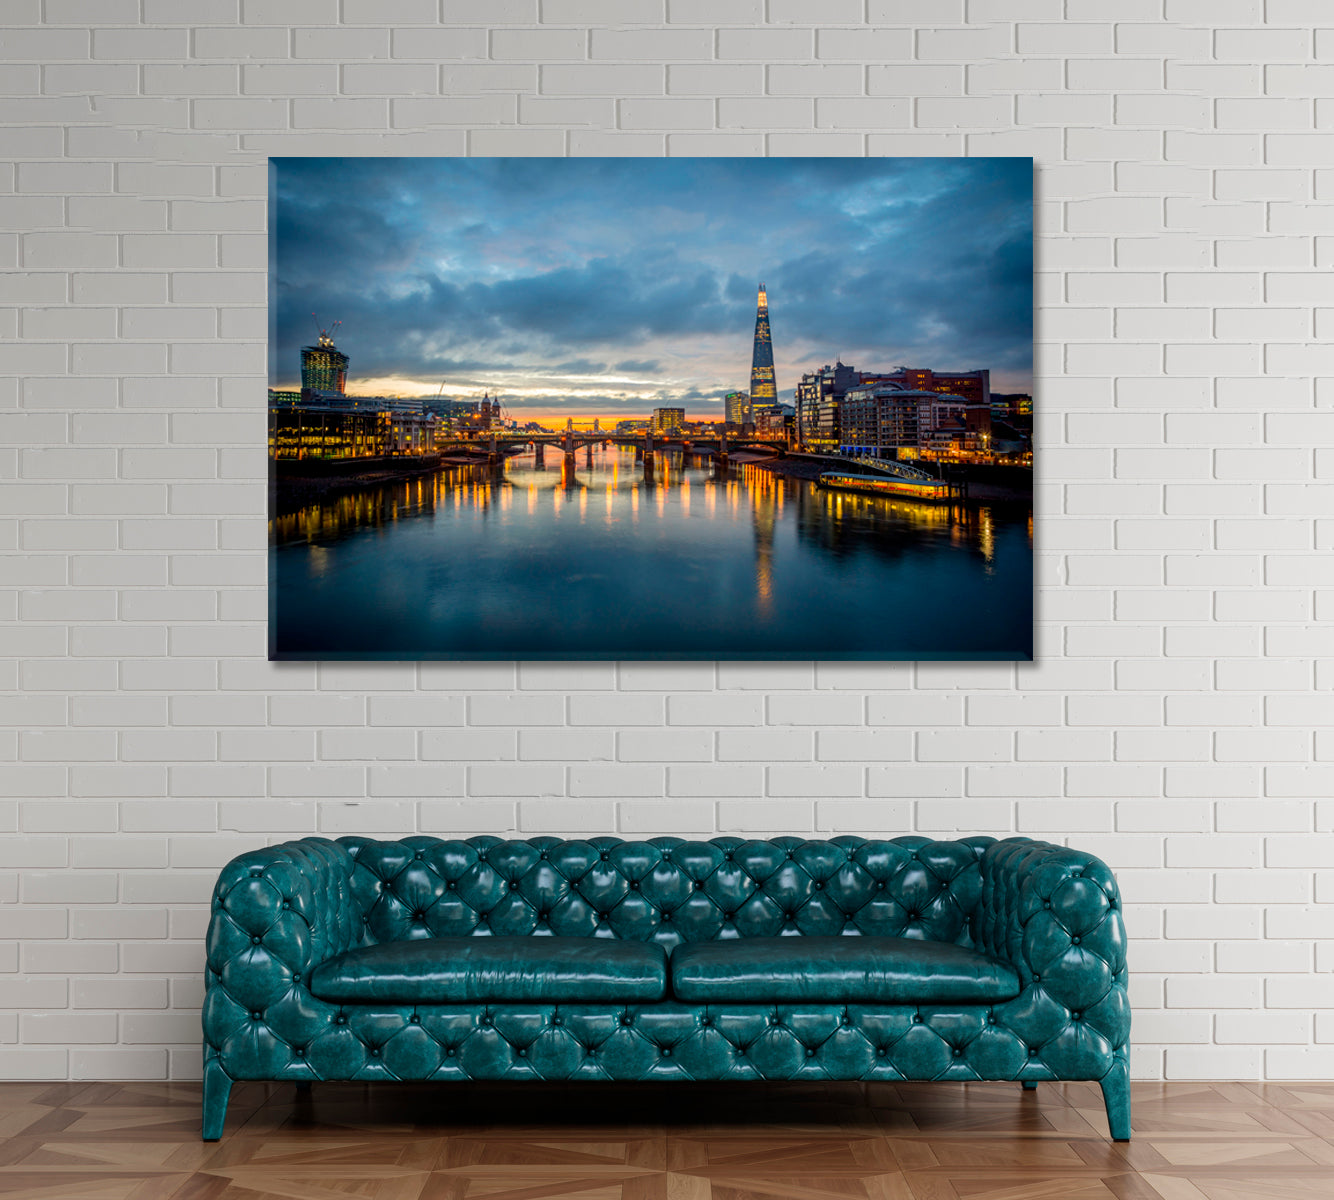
[[1055, 915], [278, 913]]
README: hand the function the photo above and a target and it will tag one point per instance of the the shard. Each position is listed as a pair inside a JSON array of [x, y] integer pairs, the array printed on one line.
[[762, 389]]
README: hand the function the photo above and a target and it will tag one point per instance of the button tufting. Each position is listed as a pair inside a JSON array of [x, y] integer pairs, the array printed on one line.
[[773, 900]]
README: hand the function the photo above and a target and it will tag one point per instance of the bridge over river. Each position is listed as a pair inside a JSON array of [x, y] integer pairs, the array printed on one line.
[[501, 444]]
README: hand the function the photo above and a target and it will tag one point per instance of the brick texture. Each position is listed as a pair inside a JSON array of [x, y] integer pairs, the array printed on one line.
[[1176, 722]]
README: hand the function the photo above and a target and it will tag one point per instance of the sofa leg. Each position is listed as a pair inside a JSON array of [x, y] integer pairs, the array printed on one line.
[[1030, 1085], [303, 1085], [217, 1088], [1116, 1095]]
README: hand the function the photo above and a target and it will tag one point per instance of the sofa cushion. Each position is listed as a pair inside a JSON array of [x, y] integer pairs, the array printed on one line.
[[890, 970], [452, 970]]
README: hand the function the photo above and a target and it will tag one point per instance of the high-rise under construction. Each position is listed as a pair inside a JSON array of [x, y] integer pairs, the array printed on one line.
[[762, 388], [324, 365]]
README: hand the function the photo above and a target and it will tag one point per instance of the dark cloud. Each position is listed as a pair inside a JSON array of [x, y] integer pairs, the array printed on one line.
[[579, 366], [518, 270]]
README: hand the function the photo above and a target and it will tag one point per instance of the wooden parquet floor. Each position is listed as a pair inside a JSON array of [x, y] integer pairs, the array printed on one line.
[[988, 1141]]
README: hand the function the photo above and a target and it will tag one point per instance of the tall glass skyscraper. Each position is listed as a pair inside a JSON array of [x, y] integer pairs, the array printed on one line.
[[762, 388]]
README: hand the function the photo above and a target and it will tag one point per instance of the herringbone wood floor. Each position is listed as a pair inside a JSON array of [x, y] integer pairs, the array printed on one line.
[[989, 1141]]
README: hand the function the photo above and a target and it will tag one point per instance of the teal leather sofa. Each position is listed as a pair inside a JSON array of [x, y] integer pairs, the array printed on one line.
[[731, 959]]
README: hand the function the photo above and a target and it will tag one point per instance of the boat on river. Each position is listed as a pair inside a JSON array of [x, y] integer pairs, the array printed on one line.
[[928, 491]]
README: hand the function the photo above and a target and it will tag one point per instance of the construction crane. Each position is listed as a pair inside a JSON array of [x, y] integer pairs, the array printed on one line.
[[326, 335]]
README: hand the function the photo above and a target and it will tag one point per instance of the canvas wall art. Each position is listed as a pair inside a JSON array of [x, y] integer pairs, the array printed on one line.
[[651, 408]]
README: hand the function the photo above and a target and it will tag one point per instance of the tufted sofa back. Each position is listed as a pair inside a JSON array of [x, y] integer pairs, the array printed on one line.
[[666, 890]]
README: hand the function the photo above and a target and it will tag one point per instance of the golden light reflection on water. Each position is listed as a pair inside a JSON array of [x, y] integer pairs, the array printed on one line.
[[987, 536], [692, 487], [777, 549]]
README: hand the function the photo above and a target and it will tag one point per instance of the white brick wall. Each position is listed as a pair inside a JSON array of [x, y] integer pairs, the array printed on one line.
[[1176, 722]]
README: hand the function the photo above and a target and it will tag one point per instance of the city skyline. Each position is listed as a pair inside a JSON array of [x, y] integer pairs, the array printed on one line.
[[582, 288]]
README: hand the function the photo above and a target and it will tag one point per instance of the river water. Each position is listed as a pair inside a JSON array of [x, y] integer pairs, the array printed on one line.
[[611, 561]]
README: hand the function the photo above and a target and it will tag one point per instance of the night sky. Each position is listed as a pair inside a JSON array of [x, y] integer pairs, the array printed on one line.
[[587, 287]]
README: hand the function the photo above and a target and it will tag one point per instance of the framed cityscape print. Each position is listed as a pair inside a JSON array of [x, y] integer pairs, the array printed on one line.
[[651, 408]]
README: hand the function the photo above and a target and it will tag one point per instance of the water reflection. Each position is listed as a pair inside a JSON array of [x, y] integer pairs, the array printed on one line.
[[611, 553]]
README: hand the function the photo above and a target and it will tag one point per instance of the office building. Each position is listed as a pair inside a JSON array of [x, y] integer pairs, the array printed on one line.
[[973, 386], [772, 420], [819, 395], [323, 366], [888, 421], [668, 420], [762, 387], [736, 408]]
